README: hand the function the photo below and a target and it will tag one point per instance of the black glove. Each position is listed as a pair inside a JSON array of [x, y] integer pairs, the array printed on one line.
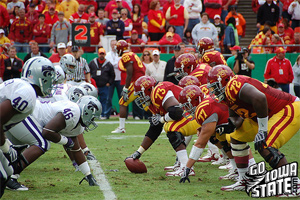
[[135, 155], [90, 179], [155, 119], [260, 140], [124, 94], [185, 175], [14, 154], [225, 128], [70, 144]]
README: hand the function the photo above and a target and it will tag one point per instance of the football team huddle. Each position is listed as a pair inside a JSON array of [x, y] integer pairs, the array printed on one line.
[[224, 110]]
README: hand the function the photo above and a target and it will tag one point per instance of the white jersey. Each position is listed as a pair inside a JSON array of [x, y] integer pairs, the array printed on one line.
[[22, 97], [45, 112], [59, 94]]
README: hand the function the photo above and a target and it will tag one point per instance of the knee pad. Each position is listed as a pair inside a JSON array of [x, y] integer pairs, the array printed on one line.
[[240, 150], [213, 140], [176, 139], [175, 112], [274, 157], [226, 147]]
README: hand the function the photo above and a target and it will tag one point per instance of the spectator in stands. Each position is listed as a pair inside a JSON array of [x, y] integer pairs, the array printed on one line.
[[14, 15], [243, 64], [12, 4], [69, 7], [169, 70], [51, 17], [115, 26], [147, 58], [4, 18], [61, 31], [12, 65], [41, 33], [178, 16], [226, 6], [204, 29], [276, 40], [39, 5], [69, 47], [127, 23], [194, 8], [294, 10], [287, 29], [21, 32], [231, 35], [280, 69], [34, 47], [112, 5], [240, 22], [187, 39], [168, 40], [80, 16], [175, 35], [212, 8], [52, 3], [95, 32], [260, 38], [156, 69], [61, 50], [3, 38], [135, 40], [255, 6], [102, 71], [32, 15], [87, 4], [220, 26], [137, 19], [234, 52], [285, 13], [157, 21], [296, 41], [113, 58], [281, 33], [167, 5], [145, 7], [90, 9], [101, 19], [296, 81], [268, 12]]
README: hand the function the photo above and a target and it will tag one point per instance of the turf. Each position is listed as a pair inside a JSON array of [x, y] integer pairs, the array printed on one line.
[[53, 176]]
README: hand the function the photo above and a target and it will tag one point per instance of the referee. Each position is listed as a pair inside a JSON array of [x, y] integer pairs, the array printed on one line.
[[82, 73]]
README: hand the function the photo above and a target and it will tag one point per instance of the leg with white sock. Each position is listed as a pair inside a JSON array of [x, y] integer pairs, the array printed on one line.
[[123, 113]]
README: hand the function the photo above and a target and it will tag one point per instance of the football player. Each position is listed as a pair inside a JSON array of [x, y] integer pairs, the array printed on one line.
[[17, 100], [132, 67], [59, 122], [209, 54], [259, 113], [162, 101]]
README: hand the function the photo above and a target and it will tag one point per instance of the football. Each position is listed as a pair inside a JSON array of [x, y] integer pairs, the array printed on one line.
[[135, 166]]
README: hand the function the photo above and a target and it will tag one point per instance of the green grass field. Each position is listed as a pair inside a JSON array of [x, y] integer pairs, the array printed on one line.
[[53, 176]]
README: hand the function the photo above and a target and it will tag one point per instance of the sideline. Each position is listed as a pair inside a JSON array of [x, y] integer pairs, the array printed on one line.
[[101, 180]]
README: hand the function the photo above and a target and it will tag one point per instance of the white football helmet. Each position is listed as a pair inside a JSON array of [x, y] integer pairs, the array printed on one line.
[[75, 93], [90, 108], [92, 90], [60, 75], [41, 72], [68, 63]]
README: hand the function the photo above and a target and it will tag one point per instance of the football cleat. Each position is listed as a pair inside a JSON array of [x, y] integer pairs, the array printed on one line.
[[13, 184], [209, 157], [220, 161], [174, 167], [179, 172], [238, 186], [233, 175], [227, 166], [89, 155], [119, 130], [90, 179]]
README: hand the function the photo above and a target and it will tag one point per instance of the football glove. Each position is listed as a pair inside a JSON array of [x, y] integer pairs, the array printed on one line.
[[185, 175], [14, 155], [135, 155], [260, 140], [124, 94], [69, 145], [155, 120], [90, 179], [225, 128]]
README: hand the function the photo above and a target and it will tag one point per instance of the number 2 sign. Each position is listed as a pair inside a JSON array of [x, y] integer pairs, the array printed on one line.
[[81, 34]]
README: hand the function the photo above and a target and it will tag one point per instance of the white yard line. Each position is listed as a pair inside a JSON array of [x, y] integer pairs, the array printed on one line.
[[101, 180], [117, 122]]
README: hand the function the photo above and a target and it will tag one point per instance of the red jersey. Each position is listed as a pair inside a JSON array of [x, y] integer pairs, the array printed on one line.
[[138, 67], [157, 16], [55, 58], [276, 99], [19, 26], [159, 93], [138, 41], [33, 17], [201, 72], [293, 49], [95, 32], [84, 18], [127, 23], [208, 107], [213, 57], [41, 33], [50, 19], [179, 21]]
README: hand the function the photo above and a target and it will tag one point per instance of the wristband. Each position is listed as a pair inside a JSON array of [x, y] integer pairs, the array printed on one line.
[[162, 120], [262, 123], [125, 89], [167, 118], [196, 153], [63, 140], [141, 150]]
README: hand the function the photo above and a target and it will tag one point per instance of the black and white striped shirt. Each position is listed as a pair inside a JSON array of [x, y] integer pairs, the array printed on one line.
[[82, 68]]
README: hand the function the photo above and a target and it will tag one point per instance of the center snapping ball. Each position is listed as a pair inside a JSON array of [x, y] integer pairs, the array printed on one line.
[[135, 166]]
